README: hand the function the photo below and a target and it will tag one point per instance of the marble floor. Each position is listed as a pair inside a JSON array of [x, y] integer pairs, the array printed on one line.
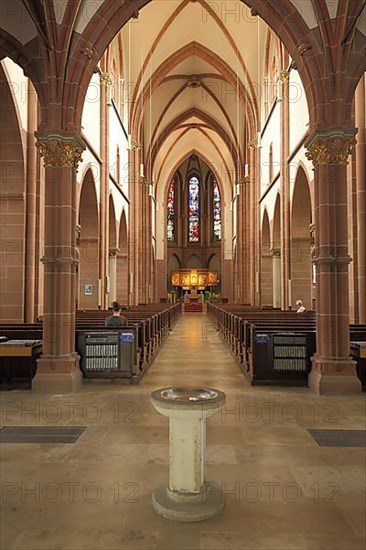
[[282, 490]]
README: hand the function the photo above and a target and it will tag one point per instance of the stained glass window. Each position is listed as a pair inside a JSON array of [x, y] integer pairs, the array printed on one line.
[[216, 212], [170, 213], [194, 210]]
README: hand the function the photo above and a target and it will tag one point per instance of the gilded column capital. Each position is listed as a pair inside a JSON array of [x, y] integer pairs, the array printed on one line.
[[254, 144], [333, 147], [105, 78], [284, 76], [59, 151]]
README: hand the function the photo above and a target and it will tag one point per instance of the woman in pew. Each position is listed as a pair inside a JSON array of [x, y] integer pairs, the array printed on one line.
[[116, 320], [300, 307]]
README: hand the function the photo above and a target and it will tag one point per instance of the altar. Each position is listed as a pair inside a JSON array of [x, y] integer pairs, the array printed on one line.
[[194, 282], [193, 302]]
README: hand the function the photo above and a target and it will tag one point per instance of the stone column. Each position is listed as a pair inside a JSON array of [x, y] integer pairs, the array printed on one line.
[[77, 274], [313, 265], [247, 249], [105, 84], [360, 105], [144, 232], [133, 223], [276, 266], [113, 274], [255, 259], [58, 368], [285, 192], [333, 371], [31, 216], [241, 252]]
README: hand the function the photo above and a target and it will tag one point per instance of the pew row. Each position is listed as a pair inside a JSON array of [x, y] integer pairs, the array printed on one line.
[[148, 327], [272, 346]]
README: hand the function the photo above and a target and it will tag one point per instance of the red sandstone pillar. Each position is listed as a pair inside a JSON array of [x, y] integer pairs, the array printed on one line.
[[58, 368], [241, 249], [133, 224], [105, 83], [255, 256], [144, 252], [247, 248], [360, 101], [276, 274], [333, 370], [31, 218], [285, 193], [113, 252]]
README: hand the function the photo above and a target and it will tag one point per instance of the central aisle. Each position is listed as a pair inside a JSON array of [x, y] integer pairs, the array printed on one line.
[[194, 355]]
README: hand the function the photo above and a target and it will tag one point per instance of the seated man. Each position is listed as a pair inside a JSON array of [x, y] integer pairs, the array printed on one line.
[[300, 306], [116, 320]]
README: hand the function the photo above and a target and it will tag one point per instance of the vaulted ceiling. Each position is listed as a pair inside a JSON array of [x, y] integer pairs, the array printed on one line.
[[193, 68], [193, 75]]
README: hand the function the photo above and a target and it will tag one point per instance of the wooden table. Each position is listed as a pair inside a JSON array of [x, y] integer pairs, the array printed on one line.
[[18, 360]]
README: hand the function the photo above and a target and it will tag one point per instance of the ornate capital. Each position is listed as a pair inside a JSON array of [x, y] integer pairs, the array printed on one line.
[[330, 148], [113, 252], [284, 76], [145, 181], [105, 78], [58, 150], [254, 144]]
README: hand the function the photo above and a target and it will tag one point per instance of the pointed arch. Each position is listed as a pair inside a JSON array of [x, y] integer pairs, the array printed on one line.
[[113, 240], [193, 262], [13, 213], [177, 124], [122, 262], [276, 253], [301, 219], [89, 244], [266, 262]]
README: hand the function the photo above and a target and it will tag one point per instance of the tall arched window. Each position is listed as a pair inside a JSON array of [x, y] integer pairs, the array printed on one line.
[[216, 212], [194, 209], [170, 213]]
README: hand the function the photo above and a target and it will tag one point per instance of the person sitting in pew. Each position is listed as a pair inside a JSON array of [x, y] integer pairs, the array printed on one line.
[[300, 307], [116, 320]]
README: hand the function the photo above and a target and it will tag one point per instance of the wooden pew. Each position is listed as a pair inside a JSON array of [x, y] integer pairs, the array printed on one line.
[[151, 324], [254, 337]]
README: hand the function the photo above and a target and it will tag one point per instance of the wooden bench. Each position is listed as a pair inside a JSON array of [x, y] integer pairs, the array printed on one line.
[[151, 325], [254, 338]]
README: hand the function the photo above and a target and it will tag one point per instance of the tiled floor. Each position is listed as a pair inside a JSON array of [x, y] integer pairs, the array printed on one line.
[[283, 491]]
